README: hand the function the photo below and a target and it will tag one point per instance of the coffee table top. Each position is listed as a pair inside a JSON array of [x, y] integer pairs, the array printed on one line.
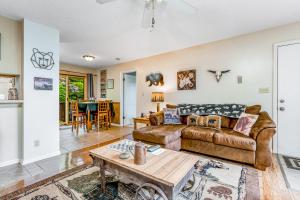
[[169, 167]]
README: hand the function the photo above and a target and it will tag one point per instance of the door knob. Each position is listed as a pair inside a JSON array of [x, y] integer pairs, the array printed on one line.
[[281, 101], [282, 108]]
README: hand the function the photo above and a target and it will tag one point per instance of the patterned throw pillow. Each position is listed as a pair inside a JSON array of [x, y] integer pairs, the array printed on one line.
[[192, 120], [245, 123], [201, 121], [213, 121], [171, 116]]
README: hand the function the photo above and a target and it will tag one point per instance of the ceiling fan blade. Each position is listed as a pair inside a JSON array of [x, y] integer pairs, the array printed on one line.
[[190, 5], [104, 1], [149, 13]]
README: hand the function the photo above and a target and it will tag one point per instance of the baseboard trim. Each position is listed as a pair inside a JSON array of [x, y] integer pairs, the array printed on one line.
[[27, 161], [9, 162]]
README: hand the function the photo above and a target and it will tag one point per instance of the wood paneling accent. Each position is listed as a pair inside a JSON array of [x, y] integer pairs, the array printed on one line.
[[116, 118]]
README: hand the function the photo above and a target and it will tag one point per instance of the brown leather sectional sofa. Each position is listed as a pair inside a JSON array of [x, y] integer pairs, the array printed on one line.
[[225, 143]]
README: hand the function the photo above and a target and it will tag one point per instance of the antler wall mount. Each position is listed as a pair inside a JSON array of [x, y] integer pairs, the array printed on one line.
[[218, 73]]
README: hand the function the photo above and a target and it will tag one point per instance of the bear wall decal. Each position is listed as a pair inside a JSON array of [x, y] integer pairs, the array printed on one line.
[[42, 60]]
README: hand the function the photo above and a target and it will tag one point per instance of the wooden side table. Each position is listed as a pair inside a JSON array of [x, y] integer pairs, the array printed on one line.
[[141, 120]]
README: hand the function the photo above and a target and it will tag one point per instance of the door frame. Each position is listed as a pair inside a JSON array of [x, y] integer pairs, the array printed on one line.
[[275, 87], [122, 93], [67, 75]]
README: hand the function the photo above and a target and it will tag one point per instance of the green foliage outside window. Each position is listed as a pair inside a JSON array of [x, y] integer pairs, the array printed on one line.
[[76, 89]]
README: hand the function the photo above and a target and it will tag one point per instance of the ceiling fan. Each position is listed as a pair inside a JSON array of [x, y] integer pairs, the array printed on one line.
[[150, 8]]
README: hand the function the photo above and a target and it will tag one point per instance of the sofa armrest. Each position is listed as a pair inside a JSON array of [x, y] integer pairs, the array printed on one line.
[[264, 121], [156, 118], [263, 154], [263, 131]]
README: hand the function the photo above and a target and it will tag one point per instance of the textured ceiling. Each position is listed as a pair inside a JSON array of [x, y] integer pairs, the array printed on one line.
[[115, 29]]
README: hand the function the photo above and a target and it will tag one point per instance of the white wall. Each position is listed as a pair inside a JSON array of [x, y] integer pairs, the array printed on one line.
[[41, 108], [11, 46], [10, 114], [250, 56]]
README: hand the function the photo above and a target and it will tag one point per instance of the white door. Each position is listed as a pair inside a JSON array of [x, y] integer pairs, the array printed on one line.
[[129, 100], [289, 100]]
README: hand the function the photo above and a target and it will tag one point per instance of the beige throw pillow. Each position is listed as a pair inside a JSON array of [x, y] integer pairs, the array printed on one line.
[[212, 121], [245, 123]]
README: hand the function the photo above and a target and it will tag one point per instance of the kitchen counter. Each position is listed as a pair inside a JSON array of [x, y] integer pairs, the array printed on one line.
[[11, 101], [11, 123]]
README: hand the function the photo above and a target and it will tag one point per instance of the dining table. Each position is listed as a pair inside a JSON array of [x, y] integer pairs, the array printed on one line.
[[88, 107]]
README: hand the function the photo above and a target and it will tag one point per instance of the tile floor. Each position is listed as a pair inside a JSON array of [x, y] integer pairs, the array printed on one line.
[[73, 154]]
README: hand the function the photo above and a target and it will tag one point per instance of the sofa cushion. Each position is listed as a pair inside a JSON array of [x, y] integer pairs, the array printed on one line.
[[230, 138], [171, 106], [225, 122], [199, 133], [264, 121], [254, 110], [163, 134], [233, 122], [156, 118]]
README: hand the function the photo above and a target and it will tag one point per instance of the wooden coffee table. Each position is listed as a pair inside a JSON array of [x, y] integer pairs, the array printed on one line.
[[162, 177]]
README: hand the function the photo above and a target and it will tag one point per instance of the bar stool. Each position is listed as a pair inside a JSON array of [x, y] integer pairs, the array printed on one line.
[[77, 118]]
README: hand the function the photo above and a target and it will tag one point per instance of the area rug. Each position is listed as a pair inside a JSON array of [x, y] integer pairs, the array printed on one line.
[[213, 179], [290, 168]]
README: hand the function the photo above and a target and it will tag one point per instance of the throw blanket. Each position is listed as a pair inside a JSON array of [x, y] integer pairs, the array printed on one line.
[[227, 110]]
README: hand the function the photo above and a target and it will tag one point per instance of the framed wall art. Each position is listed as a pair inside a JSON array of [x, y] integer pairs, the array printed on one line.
[[186, 80], [110, 83], [43, 83]]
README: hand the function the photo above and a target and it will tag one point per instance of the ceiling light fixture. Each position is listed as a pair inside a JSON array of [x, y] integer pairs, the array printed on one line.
[[88, 58]]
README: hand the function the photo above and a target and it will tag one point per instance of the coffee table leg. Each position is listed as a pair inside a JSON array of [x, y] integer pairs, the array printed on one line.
[[135, 126], [103, 178]]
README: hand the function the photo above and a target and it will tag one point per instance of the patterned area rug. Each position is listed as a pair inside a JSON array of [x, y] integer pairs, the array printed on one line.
[[213, 179]]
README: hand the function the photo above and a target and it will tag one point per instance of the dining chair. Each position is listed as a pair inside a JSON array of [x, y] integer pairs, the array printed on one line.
[[103, 114], [77, 118]]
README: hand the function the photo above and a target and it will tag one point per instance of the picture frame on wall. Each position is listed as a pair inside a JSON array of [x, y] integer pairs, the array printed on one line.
[[110, 83], [186, 80], [43, 83]]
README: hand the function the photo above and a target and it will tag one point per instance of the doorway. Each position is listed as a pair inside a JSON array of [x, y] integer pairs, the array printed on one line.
[[70, 88], [129, 97], [287, 97]]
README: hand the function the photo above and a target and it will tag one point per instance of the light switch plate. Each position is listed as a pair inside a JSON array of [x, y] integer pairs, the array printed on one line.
[[239, 79], [36, 143], [264, 90]]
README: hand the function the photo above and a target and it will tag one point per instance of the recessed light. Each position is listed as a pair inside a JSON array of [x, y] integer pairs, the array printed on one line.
[[88, 58], [118, 59]]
